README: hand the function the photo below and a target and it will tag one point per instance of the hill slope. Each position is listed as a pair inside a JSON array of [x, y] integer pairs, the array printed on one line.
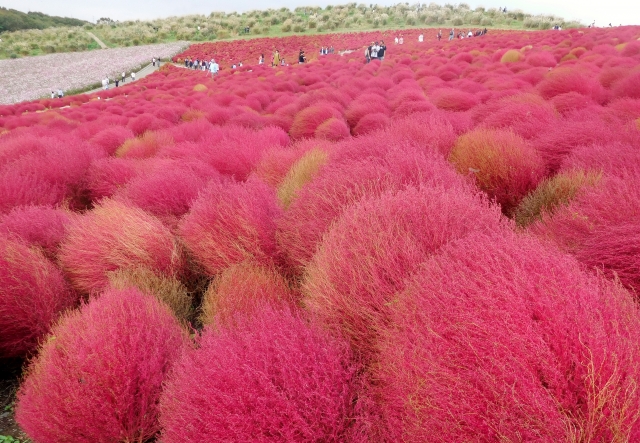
[[273, 23], [12, 20]]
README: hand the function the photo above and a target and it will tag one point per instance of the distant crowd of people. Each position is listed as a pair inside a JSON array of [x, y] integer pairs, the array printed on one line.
[[462, 34]]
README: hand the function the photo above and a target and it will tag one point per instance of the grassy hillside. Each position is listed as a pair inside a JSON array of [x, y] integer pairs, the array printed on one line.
[[272, 22], [12, 20]]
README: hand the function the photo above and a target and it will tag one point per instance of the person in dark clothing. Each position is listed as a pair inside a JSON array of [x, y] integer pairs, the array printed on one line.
[[301, 57], [382, 49]]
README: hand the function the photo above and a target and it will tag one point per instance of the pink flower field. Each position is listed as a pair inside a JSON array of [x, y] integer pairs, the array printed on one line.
[[35, 77], [441, 246]]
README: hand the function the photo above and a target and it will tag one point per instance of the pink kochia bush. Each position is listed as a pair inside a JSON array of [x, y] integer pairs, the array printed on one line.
[[601, 228], [230, 223], [169, 188], [370, 251], [37, 225], [342, 184], [237, 385], [99, 376], [504, 165], [115, 236], [33, 293], [501, 339]]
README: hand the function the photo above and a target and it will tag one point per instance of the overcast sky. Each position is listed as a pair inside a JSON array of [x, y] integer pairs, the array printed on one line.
[[625, 12]]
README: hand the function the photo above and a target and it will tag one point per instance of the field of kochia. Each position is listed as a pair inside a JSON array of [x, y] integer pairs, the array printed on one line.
[[440, 247]]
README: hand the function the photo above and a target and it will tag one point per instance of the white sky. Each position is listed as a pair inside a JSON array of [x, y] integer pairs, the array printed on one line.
[[625, 12]]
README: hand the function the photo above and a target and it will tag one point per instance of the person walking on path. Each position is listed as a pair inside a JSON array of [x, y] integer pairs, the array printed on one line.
[[153, 62], [117, 80], [60, 93], [133, 76], [124, 76]]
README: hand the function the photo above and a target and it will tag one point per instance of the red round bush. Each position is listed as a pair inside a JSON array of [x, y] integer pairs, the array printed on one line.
[[307, 121], [38, 226], [498, 337], [237, 386], [168, 190], [504, 165], [453, 99], [115, 236], [354, 276], [628, 87], [565, 80], [600, 226], [230, 223], [33, 293], [112, 138], [341, 184], [333, 129], [99, 376], [105, 176], [371, 122]]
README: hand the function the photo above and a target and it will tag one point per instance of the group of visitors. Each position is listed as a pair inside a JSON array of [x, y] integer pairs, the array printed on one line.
[[375, 51], [326, 50], [59, 95], [399, 40], [106, 81], [461, 34]]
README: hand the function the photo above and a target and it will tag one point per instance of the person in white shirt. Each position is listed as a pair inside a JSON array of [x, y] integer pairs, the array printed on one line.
[[124, 76], [420, 38], [133, 76], [470, 34], [213, 67], [374, 51], [396, 40], [401, 40]]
